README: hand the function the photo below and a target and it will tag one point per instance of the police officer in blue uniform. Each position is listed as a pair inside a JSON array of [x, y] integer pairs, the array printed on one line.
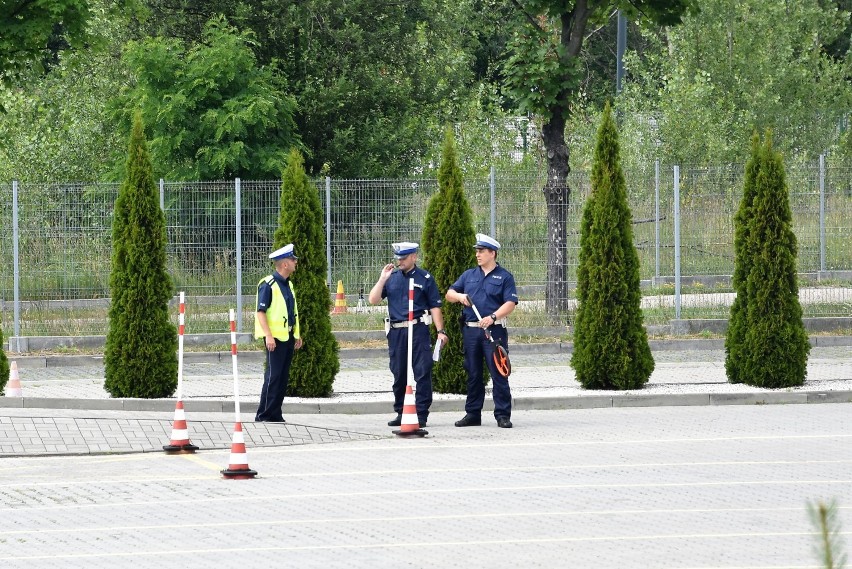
[[277, 322], [491, 288], [393, 285]]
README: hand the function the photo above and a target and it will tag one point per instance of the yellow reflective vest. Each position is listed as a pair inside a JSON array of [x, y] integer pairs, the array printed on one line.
[[276, 314]]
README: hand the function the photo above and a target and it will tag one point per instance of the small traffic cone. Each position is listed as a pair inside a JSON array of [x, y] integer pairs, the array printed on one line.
[[410, 425], [13, 388], [238, 468], [339, 300], [180, 434]]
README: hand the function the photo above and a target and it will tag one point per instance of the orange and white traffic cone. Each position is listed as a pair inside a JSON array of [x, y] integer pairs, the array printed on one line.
[[238, 468], [410, 425], [13, 387], [339, 300], [180, 443]]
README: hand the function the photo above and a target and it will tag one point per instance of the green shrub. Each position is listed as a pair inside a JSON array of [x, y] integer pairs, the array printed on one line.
[[450, 235], [610, 343], [775, 347], [140, 358], [300, 222], [737, 325]]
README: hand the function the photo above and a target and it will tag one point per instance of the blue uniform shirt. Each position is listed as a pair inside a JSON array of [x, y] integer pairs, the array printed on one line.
[[264, 295], [488, 292], [426, 294]]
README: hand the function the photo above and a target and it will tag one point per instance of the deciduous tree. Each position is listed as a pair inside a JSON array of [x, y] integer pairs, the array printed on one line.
[[543, 73], [213, 112]]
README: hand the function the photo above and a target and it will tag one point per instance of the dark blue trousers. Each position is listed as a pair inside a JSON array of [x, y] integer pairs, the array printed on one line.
[[275, 380], [476, 350], [421, 360]]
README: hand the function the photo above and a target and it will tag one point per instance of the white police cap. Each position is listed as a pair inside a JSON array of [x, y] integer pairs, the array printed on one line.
[[284, 252], [404, 249], [482, 240]]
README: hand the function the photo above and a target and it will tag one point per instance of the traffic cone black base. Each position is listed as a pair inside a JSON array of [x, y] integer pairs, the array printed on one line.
[[182, 449], [416, 433]]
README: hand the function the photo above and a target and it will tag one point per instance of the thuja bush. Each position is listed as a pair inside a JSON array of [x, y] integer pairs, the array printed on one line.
[[611, 348], [775, 346], [737, 324], [450, 236], [300, 222], [140, 358]]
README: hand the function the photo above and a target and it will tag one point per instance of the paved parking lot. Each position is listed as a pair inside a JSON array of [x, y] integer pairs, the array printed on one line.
[[667, 487]]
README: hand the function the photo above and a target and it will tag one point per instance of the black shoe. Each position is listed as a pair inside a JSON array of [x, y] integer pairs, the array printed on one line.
[[504, 423], [395, 422], [270, 421], [469, 420]]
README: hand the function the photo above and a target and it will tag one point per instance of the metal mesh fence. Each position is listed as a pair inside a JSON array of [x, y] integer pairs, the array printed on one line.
[[64, 233]]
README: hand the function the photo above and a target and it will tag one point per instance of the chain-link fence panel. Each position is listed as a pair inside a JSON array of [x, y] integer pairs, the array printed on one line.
[[221, 233]]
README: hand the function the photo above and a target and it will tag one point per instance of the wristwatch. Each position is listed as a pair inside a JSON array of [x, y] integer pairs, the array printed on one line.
[[441, 331], [494, 317]]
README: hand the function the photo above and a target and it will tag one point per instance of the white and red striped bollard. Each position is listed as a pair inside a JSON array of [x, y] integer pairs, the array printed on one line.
[[238, 467], [180, 443], [410, 424]]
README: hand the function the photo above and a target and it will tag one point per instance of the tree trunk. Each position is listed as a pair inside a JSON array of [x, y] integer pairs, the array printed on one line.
[[556, 194]]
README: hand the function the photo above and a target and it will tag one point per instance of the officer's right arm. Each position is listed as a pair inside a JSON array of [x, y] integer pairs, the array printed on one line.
[[375, 296]]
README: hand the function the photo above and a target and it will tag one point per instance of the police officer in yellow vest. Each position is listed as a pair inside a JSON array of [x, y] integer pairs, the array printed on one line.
[[277, 322]]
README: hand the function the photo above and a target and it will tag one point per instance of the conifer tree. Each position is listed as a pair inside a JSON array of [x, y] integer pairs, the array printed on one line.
[[776, 348], [735, 337], [449, 173], [140, 359], [4, 363], [300, 222], [449, 224], [611, 348]]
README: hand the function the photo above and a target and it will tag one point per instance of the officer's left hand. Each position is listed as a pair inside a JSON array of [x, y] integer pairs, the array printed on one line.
[[298, 343], [444, 339]]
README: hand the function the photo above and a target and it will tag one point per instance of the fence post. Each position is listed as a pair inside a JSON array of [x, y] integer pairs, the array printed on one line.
[[821, 213], [677, 240], [657, 219], [239, 244], [162, 195], [493, 184], [16, 267], [328, 228]]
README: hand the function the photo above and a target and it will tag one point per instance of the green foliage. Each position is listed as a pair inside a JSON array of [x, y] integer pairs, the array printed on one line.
[[738, 66], [4, 363], [611, 348], [300, 222], [449, 174], [213, 112], [829, 546], [775, 347], [450, 253], [543, 69], [28, 31], [737, 325], [374, 80], [140, 357]]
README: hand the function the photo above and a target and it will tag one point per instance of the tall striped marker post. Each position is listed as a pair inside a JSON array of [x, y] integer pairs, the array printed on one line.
[[238, 467], [410, 425], [180, 443]]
